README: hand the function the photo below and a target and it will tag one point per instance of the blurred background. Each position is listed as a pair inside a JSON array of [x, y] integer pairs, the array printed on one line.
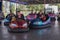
[[26, 9]]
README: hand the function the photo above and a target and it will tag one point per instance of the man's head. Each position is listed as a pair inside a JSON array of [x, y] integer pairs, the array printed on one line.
[[18, 12]]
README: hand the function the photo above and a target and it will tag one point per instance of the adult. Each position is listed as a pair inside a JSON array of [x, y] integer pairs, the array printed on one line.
[[19, 15], [9, 16], [40, 13]]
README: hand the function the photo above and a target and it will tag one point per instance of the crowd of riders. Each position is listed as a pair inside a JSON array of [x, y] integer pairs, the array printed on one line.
[[40, 15], [20, 15]]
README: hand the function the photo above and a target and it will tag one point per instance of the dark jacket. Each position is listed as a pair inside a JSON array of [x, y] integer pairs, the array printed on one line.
[[39, 15], [22, 17], [9, 17]]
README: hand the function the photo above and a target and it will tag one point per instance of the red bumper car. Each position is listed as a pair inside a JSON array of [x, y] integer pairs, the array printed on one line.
[[18, 26]]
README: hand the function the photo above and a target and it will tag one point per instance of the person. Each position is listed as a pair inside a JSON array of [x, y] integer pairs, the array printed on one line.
[[35, 12], [40, 13], [9, 16], [42, 16], [20, 18], [19, 15], [58, 15], [31, 16], [31, 13]]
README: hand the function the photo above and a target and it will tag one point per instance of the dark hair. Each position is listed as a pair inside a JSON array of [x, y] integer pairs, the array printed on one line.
[[17, 12]]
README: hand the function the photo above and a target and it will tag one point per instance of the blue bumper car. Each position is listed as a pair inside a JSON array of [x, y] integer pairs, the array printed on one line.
[[38, 23], [29, 18], [52, 16], [58, 17], [7, 21]]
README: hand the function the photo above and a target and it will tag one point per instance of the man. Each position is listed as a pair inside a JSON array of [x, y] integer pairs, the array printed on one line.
[[9, 16], [40, 13], [19, 18], [19, 15]]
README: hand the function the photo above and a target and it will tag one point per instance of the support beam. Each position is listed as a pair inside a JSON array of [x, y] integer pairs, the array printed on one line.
[[0, 5]]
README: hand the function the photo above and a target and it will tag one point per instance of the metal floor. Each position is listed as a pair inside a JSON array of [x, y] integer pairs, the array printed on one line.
[[52, 33]]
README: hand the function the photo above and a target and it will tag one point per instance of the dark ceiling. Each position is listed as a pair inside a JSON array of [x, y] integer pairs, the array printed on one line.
[[36, 1]]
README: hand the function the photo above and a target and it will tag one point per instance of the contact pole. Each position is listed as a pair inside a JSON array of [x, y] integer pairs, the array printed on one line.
[[44, 5]]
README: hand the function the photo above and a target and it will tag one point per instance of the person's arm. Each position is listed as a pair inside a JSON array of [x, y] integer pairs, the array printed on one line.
[[7, 15], [22, 16]]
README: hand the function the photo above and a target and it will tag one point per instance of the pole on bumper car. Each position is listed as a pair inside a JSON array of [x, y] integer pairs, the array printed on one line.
[[44, 5]]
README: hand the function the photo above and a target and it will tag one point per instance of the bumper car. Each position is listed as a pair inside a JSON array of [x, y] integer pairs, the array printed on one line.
[[52, 16], [18, 26], [39, 23], [7, 21], [29, 18], [58, 17]]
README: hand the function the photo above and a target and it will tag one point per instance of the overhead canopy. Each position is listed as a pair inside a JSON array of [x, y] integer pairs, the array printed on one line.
[[34, 1]]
